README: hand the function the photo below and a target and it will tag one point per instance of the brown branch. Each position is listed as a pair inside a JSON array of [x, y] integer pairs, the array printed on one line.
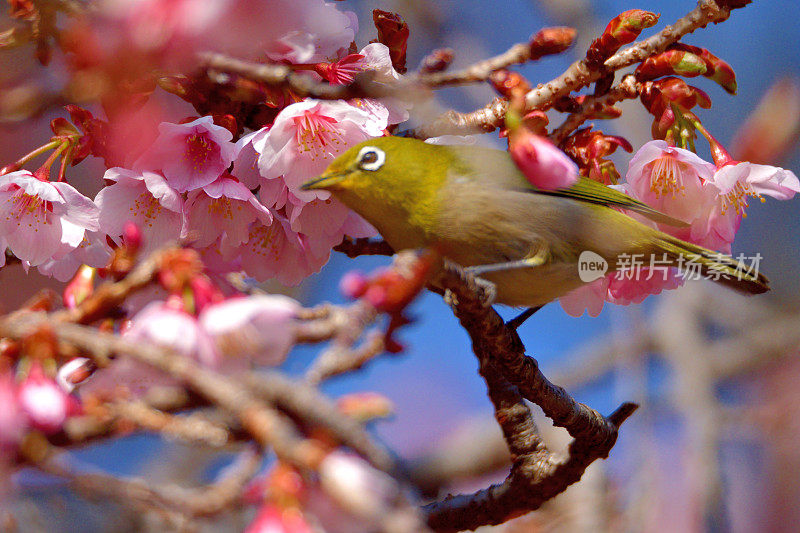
[[577, 76], [536, 476], [628, 88], [356, 247], [201, 502], [493, 339], [283, 75], [267, 426], [110, 295], [340, 356], [517, 54], [340, 359], [313, 408]]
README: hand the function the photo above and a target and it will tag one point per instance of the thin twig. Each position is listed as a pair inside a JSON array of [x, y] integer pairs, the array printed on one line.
[[626, 89], [577, 76]]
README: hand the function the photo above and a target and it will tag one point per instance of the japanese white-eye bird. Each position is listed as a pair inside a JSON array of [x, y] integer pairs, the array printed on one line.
[[475, 206]]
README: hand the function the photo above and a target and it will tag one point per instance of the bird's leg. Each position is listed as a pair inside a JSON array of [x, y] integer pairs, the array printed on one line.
[[539, 256], [518, 320]]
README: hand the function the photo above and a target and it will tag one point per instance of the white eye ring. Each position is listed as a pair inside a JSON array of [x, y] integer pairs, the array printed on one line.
[[371, 158]]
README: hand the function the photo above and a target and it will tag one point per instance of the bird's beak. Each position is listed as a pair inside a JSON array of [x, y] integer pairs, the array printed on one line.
[[324, 181]]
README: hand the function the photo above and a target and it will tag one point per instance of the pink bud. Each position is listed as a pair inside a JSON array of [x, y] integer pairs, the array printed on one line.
[[46, 404], [545, 166], [132, 236], [353, 284]]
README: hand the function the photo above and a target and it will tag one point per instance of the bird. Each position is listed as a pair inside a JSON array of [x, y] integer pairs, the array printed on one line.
[[479, 210]]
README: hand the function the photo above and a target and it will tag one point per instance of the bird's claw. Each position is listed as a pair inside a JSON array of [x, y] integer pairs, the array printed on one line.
[[486, 290]]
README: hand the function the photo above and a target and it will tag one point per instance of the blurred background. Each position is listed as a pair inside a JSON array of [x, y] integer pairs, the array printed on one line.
[[712, 447]]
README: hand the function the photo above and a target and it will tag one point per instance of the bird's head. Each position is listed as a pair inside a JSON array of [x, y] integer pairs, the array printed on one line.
[[386, 171]]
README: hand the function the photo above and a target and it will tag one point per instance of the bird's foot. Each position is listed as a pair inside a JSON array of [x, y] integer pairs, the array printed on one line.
[[487, 291]]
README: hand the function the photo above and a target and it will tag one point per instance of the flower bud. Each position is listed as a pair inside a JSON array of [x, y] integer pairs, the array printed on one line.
[[549, 41], [436, 61], [623, 29], [716, 69], [671, 62], [393, 32]]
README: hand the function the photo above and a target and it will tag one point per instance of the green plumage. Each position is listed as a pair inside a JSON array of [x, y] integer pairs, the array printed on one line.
[[478, 208]]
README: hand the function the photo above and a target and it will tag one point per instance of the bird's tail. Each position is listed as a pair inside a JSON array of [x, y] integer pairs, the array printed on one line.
[[716, 266]]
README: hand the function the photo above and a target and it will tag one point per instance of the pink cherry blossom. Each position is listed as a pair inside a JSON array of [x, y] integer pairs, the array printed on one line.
[[190, 155], [257, 328], [324, 224], [589, 297], [223, 206], [147, 200], [275, 251], [545, 166], [356, 486], [735, 182], [318, 31], [38, 217], [166, 324], [632, 288], [376, 58], [161, 323], [676, 182], [92, 251], [45, 403], [245, 166], [307, 136]]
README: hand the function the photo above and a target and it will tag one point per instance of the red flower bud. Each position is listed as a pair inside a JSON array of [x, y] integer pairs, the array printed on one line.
[[393, 32], [509, 84], [716, 69], [436, 61], [671, 62], [549, 41], [623, 29]]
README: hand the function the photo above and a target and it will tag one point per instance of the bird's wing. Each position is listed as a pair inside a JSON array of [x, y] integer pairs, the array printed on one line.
[[497, 167], [588, 190]]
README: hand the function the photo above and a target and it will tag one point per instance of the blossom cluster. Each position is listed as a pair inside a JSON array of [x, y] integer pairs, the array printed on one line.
[[710, 197], [237, 200]]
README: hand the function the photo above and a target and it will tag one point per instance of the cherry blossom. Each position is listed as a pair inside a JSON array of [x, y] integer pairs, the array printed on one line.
[[189, 155], [45, 403], [245, 166], [256, 327], [37, 217], [589, 297], [147, 200], [736, 182], [162, 323], [92, 251], [307, 136], [275, 251], [545, 166], [356, 486], [325, 223], [676, 182], [223, 206], [313, 30]]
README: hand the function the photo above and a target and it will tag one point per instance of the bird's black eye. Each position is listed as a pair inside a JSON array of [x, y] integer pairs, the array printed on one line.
[[371, 158]]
